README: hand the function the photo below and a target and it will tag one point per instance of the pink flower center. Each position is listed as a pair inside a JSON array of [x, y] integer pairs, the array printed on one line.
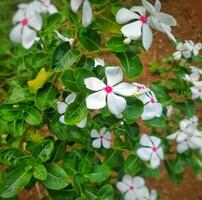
[[131, 187], [143, 19], [24, 22], [200, 90], [101, 136], [139, 88], [152, 100], [154, 149], [108, 89]]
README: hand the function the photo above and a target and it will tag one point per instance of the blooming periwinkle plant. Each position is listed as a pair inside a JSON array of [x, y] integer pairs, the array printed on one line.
[[71, 119]]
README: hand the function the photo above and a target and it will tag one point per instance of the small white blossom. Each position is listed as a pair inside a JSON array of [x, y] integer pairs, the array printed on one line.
[[132, 187], [87, 15], [99, 62], [62, 106], [196, 90], [150, 150], [140, 25], [47, 7], [102, 138], [26, 24], [152, 195], [108, 94], [169, 111], [152, 108]]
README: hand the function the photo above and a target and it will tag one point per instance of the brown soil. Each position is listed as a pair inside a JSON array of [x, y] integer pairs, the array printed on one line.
[[188, 14]]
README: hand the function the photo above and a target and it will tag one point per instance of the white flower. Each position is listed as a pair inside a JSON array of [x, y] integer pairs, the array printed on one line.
[[87, 15], [150, 150], [47, 7], [197, 90], [132, 187], [140, 25], [169, 111], [62, 106], [103, 138], [26, 24], [184, 50], [194, 47], [106, 94], [99, 62], [140, 89], [152, 108], [150, 195], [63, 38]]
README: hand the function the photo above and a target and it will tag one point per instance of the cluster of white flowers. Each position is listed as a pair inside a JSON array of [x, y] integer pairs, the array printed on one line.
[[87, 15], [133, 188], [110, 94], [187, 50], [101, 138], [150, 150], [62, 106], [188, 136], [28, 21], [194, 79], [141, 23]]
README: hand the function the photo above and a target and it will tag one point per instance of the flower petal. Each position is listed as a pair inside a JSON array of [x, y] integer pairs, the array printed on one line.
[[96, 143], [130, 195], [107, 135], [122, 187], [166, 19], [28, 37], [36, 22], [182, 147], [75, 4], [96, 100], [114, 75], [133, 30], [149, 7], [140, 10], [62, 119], [157, 6], [145, 141], [155, 161], [149, 111], [124, 89], [70, 98], [115, 103], [138, 182], [52, 9], [155, 140], [82, 123], [147, 36], [94, 84], [20, 14], [94, 133], [144, 153], [61, 107], [160, 153], [125, 15], [16, 33], [127, 179], [87, 15], [106, 143]]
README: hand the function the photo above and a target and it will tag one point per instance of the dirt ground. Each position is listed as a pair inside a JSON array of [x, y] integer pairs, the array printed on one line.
[[189, 16]]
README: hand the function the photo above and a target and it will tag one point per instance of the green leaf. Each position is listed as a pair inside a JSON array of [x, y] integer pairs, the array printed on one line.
[[32, 116], [79, 183], [45, 96], [43, 150], [100, 173], [69, 165], [69, 80], [15, 182], [133, 110], [10, 155], [133, 165], [19, 94], [159, 122], [76, 111], [53, 21], [89, 38], [84, 166], [106, 192], [64, 57], [57, 179], [40, 172], [116, 44], [17, 127], [131, 64]]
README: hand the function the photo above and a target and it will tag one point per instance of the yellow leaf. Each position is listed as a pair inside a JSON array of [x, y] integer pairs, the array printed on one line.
[[41, 78]]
